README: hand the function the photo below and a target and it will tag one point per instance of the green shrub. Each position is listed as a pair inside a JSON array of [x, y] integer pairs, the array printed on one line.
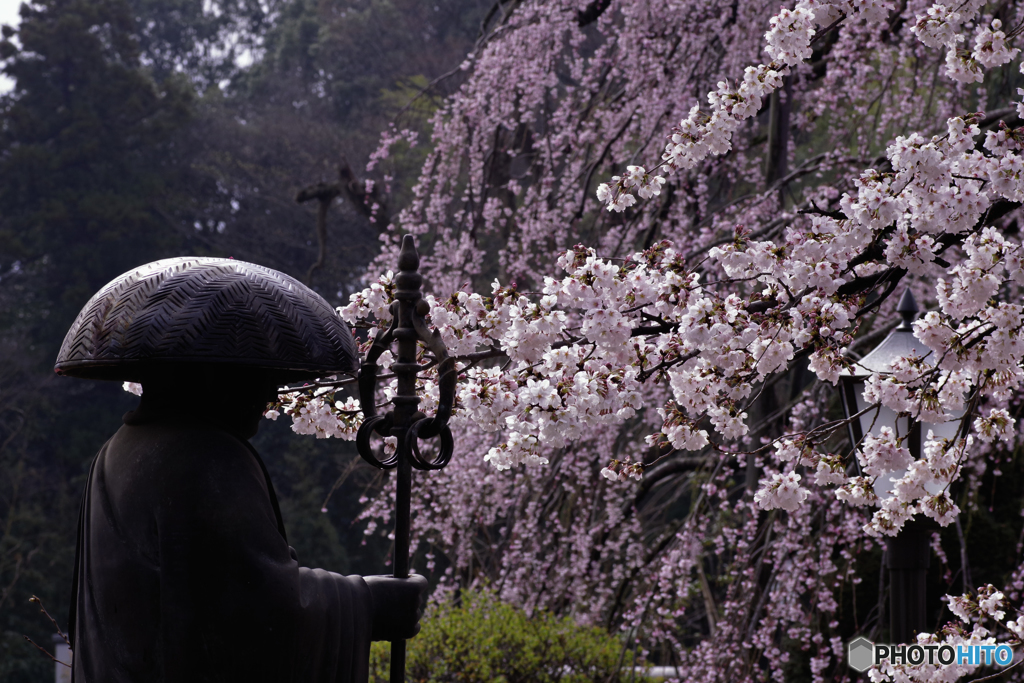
[[481, 639]]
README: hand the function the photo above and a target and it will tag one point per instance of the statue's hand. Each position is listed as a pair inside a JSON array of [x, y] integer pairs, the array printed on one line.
[[397, 606]]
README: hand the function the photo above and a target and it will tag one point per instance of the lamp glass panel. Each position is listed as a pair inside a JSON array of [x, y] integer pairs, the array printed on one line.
[[885, 484], [886, 417], [872, 422], [943, 430]]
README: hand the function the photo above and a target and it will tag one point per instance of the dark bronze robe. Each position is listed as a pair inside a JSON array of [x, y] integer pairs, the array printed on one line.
[[183, 573]]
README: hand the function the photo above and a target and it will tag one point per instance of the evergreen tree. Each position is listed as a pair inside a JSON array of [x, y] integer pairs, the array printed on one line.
[[87, 153]]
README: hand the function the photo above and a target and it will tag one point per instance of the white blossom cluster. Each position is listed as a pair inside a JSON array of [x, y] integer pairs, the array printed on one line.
[[788, 43], [782, 491], [942, 25], [789, 40], [554, 391], [646, 185], [577, 355], [935, 672], [988, 606], [990, 49], [319, 414], [622, 470]]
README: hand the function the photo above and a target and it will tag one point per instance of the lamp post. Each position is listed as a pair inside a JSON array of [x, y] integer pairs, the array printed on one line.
[[908, 553]]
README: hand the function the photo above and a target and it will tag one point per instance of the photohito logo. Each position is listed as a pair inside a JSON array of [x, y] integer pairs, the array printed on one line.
[[861, 654]]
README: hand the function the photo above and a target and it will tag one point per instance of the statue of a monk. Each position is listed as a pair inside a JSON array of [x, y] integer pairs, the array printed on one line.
[[183, 571]]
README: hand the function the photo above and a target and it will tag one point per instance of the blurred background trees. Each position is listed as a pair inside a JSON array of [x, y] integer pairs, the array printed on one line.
[[143, 129]]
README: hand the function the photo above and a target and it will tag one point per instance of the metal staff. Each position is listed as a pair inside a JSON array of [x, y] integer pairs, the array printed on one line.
[[404, 421]]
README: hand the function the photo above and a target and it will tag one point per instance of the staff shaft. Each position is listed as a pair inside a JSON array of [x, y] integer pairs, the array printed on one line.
[[405, 404]]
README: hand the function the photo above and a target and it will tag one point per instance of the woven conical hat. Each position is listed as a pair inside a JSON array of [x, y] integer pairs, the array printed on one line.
[[217, 312]]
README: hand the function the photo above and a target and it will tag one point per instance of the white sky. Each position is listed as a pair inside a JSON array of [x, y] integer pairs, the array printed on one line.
[[9, 11], [8, 15]]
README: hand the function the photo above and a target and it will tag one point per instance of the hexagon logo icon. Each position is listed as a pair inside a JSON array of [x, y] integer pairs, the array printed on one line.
[[860, 654]]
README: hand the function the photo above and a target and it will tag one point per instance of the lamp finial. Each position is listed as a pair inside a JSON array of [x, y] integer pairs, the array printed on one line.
[[907, 308]]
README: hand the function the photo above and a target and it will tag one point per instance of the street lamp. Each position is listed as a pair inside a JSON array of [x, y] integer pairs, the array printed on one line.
[[908, 553]]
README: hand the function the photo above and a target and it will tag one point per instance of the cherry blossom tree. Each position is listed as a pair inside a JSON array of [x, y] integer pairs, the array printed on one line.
[[655, 234]]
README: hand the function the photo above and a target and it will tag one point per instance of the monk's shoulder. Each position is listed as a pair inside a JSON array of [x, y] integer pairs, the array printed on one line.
[[179, 450]]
